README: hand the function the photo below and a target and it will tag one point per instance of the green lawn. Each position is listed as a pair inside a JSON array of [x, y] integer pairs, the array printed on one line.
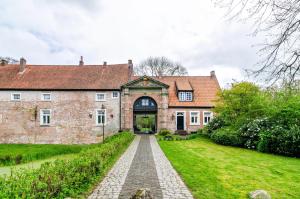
[[216, 171], [12, 154]]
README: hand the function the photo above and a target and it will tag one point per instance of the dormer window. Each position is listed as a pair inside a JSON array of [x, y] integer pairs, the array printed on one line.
[[185, 96]]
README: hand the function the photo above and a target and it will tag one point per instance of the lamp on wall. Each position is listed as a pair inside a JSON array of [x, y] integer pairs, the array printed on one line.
[[173, 117]]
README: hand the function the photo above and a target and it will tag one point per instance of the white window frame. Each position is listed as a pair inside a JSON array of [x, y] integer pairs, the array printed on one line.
[[43, 95], [12, 97], [211, 116], [183, 96], [105, 118], [41, 117], [112, 94], [184, 119], [100, 100], [198, 118]]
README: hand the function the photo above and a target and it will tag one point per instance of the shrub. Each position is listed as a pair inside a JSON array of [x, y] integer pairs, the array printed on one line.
[[182, 133], [227, 136], [61, 179], [164, 132], [281, 141], [216, 123]]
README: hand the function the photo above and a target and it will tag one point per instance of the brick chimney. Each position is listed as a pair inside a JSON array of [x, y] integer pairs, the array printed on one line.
[[130, 69], [22, 65], [104, 63], [81, 63], [212, 74]]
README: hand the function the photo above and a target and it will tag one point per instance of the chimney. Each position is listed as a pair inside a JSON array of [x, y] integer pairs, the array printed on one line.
[[212, 74], [130, 69], [22, 65], [81, 63], [104, 63]]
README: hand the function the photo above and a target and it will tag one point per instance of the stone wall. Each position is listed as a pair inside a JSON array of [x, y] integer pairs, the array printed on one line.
[[72, 117]]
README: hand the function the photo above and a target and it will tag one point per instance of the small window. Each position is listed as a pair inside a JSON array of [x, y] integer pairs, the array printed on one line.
[[145, 102], [207, 117], [195, 118], [101, 117], [16, 96], [46, 96], [100, 97], [185, 96], [45, 116], [115, 94]]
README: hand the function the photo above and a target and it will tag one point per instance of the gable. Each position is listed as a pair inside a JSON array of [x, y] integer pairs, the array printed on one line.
[[145, 82]]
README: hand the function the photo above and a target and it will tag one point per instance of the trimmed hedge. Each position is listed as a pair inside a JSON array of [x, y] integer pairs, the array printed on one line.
[[227, 136], [69, 178]]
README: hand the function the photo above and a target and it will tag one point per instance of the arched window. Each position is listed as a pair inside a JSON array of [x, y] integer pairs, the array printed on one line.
[[145, 104]]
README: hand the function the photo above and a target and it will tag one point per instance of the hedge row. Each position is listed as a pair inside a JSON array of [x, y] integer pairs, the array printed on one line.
[[69, 178]]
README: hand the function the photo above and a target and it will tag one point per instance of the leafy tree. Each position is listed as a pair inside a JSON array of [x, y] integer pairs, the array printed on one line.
[[160, 66], [8, 60]]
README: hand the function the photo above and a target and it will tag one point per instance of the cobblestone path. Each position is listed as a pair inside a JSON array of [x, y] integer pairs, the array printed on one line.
[[143, 165]]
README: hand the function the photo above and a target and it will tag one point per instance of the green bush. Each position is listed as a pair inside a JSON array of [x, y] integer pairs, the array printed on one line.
[[281, 141], [216, 123], [227, 136], [61, 179], [164, 132]]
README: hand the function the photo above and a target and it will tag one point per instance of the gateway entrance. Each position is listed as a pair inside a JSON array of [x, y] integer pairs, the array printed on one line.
[[145, 115]]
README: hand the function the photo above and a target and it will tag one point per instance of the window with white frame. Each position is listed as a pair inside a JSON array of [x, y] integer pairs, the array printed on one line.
[[145, 102], [195, 118], [100, 97], [45, 116], [16, 96], [46, 96], [185, 96], [115, 94], [101, 117], [207, 117]]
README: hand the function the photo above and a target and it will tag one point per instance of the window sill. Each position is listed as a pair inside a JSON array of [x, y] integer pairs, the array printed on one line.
[[100, 100], [100, 125], [44, 125], [195, 124]]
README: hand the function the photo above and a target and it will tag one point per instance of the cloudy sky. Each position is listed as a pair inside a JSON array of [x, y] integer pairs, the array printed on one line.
[[191, 32]]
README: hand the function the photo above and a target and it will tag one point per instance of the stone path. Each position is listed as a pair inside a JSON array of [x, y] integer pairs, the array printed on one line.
[[143, 165]]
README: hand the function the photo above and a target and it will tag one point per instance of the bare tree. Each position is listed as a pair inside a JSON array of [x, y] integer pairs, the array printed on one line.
[[8, 60], [160, 66], [279, 21]]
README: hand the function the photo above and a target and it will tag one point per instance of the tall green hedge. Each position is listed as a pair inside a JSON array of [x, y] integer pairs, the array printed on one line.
[[69, 178]]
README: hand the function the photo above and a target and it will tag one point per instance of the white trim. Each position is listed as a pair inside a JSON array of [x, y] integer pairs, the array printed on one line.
[[211, 116], [100, 100], [182, 96], [198, 120], [105, 118], [43, 99], [41, 117], [184, 119], [112, 94], [12, 98]]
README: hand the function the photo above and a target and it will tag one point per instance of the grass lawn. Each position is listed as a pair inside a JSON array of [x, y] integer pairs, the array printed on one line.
[[12, 154], [215, 171]]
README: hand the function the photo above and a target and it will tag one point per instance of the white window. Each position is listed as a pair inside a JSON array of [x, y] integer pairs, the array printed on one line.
[[207, 117], [100, 97], [145, 102], [46, 96], [16, 96], [195, 118], [115, 94], [45, 116], [101, 117], [185, 96]]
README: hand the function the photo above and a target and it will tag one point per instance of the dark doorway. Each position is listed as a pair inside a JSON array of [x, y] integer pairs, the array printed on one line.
[[180, 120], [144, 115]]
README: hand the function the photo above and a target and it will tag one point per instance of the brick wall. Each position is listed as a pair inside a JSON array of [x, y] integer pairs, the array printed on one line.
[[72, 117]]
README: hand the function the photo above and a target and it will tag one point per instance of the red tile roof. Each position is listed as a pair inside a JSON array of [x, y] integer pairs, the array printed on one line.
[[62, 77], [205, 90]]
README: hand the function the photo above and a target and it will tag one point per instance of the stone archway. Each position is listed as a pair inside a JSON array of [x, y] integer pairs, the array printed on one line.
[[145, 115]]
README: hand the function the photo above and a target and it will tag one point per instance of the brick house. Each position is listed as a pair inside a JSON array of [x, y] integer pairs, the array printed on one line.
[[72, 103]]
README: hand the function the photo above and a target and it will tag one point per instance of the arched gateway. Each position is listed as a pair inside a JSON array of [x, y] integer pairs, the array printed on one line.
[[145, 115]]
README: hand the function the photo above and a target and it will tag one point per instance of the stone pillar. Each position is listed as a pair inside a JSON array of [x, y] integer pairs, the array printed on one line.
[[164, 108]]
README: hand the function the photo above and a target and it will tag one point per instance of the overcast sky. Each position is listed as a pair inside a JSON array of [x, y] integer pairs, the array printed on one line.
[[191, 32]]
